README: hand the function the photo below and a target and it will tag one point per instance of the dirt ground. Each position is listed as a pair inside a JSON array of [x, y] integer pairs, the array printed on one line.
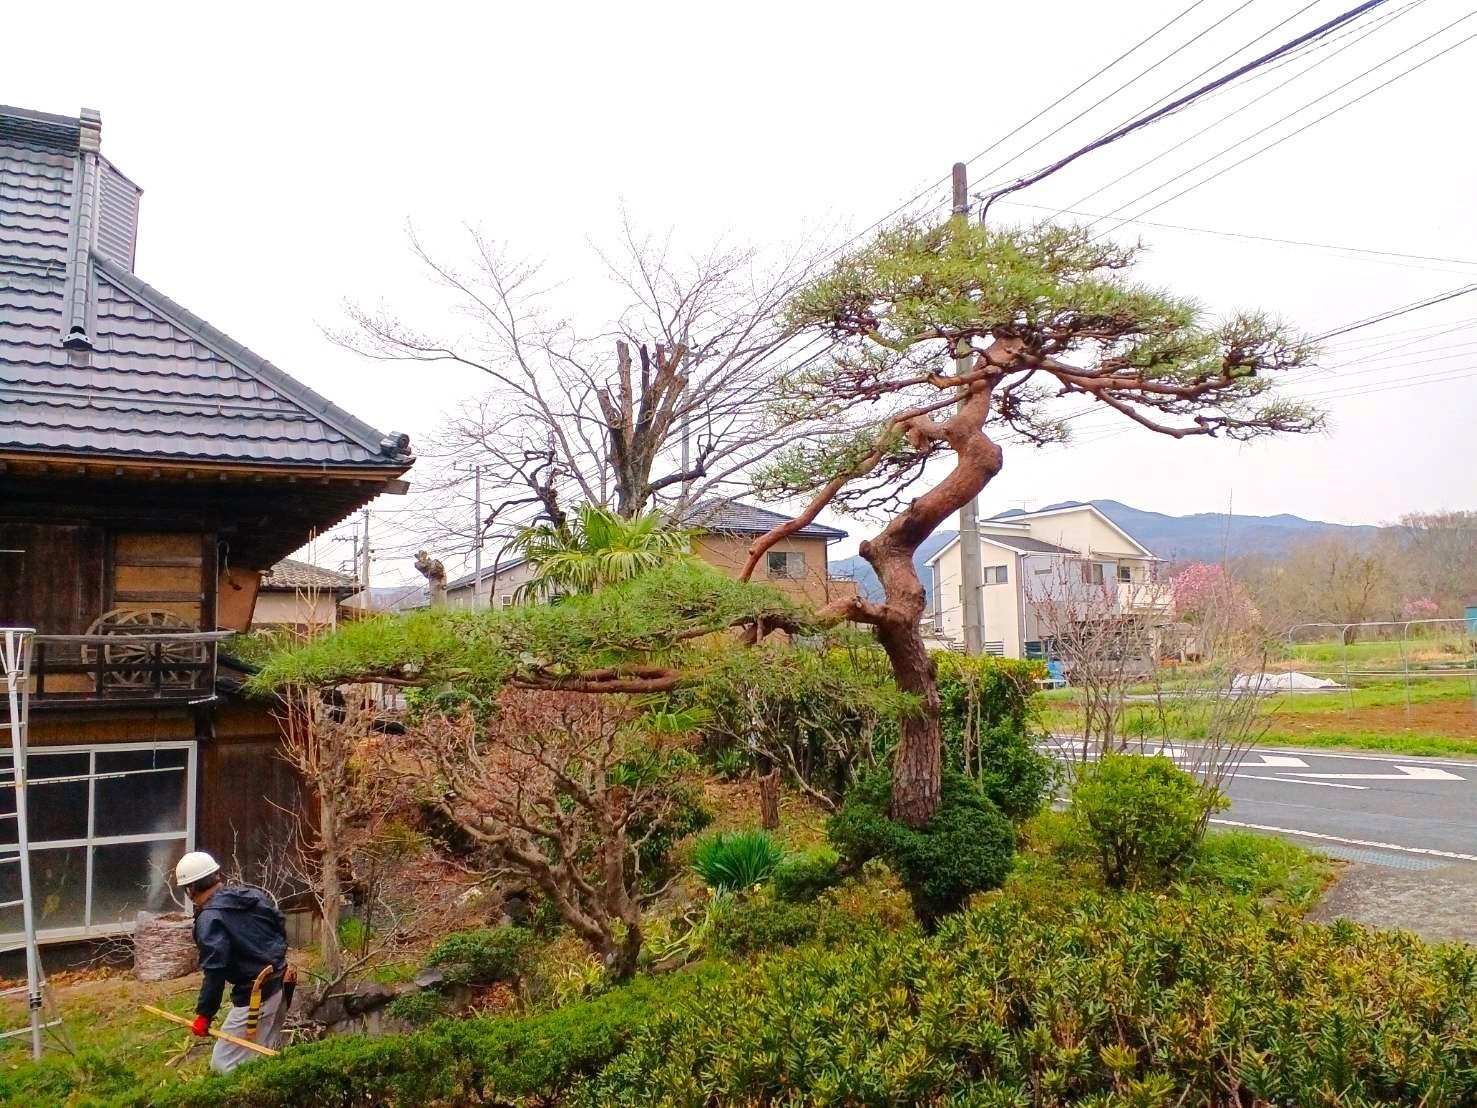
[[1455, 718]]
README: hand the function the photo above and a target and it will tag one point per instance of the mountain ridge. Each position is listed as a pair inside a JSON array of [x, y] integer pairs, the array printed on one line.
[[1198, 537]]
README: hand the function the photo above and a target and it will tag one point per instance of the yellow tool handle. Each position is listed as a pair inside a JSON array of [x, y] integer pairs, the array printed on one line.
[[212, 1032]]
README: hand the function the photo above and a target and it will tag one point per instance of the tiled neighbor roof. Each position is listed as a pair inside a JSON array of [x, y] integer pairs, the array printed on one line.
[[733, 518], [94, 361], [289, 575]]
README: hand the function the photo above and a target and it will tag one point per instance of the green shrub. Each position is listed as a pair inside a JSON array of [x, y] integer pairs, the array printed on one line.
[[1014, 773], [484, 955], [1142, 815], [732, 860], [452, 1062], [966, 848], [804, 875], [418, 1008], [1132, 999], [761, 924], [731, 763]]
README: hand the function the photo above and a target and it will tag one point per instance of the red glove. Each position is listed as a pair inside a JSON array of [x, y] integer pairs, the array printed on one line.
[[200, 1026]]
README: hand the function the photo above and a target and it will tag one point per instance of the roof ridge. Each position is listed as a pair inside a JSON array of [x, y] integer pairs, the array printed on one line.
[[254, 365]]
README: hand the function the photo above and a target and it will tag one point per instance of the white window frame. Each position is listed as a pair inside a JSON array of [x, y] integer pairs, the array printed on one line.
[[1125, 575], [791, 557], [92, 839], [997, 574]]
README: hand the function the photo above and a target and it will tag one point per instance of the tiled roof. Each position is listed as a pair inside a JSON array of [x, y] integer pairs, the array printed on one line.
[[290, 575], [390, 598], [1024, 544], [488, 573], [143, 377], [734, 518]]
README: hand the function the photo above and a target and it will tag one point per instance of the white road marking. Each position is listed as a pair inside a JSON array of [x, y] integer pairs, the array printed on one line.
[[1407, 773], [1373, 757], [1275, 761], [1348, 842], [1298, 781]]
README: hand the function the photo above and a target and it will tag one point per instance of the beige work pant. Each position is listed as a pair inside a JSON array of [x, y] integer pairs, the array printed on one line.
[[227, 1056]]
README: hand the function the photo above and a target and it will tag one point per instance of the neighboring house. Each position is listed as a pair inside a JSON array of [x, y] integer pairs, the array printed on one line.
[[798, 566], [301, 597], [151, 469], [384, 600], [500, 584], [1033, 563]]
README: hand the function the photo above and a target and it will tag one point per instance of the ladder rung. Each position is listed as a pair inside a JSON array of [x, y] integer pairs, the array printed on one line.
[[27, 1030], [11, 903]]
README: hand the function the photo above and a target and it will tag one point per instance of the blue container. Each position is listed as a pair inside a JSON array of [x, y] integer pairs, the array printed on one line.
[[1472, 620]]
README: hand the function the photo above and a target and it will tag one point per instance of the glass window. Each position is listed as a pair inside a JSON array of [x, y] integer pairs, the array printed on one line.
[[786, 564], [81, 805], [1092, 573], [147, 795], [1125, 574], [997, 575], [128, 878]]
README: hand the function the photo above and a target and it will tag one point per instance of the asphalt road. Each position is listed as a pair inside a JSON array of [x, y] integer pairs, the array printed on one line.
[[1404, 805]]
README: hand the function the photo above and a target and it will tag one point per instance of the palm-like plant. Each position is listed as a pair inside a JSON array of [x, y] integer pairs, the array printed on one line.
[[597, 548]]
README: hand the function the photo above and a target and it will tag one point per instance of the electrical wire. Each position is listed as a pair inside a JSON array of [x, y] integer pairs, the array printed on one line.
[[1396, 313], [1293, 134], [1181, 103], [1181, 144], [1104, 99]]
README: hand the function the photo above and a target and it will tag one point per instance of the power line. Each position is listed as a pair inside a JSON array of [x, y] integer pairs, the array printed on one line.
[[1182, 102], [1245, 235], [1103, 99], [1306, 126], [1181, 144], [1396, 313]]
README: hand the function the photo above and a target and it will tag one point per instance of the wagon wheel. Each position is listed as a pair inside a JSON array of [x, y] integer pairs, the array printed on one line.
[[130, 664]]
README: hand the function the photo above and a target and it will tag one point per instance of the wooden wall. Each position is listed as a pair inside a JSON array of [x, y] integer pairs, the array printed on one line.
[[56, 584], [166, 571], [249, 796]]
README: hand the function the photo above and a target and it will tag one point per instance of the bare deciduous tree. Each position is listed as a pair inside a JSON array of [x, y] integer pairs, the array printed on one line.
[[1103, 634], [670, 402], [538, 785]]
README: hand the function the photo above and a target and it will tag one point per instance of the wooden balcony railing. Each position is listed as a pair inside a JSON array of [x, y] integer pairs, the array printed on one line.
[[168, 665]]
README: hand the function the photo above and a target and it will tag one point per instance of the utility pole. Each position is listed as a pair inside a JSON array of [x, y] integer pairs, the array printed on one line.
[[971, 575], [364, 554]]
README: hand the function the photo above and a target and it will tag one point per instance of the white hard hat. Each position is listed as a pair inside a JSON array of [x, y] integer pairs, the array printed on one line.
[[193, 866]]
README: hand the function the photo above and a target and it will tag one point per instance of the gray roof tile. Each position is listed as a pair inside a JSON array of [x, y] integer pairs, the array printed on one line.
[[159, 382], [289, 575], [735, 518]]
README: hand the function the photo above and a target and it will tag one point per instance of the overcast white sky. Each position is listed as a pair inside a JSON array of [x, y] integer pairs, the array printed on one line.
[[282, 148]]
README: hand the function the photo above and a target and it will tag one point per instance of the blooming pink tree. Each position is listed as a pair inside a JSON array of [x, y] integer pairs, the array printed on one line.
[[1422, 607], [1202, 586]]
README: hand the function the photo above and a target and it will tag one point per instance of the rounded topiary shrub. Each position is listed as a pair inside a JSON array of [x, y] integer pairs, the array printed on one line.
[[966, 848], [1142, 815]]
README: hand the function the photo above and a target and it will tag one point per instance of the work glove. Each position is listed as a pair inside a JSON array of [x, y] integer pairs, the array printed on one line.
[[200, 1026]]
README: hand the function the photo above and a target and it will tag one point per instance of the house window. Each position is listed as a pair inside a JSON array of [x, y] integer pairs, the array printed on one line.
[[505, 601], [1092, 573], [997, 575], [107, 825], [1125, 574], [786, 565]]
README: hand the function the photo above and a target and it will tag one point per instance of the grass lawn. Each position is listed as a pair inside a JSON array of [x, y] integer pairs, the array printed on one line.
[[1440, 719]]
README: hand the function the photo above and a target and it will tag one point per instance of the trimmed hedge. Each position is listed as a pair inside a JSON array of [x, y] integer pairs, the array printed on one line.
[[1133, 1000], [966, 848], [453, 1062]]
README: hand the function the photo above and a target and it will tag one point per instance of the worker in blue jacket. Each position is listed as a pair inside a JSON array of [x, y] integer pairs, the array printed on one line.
[[242, 939]]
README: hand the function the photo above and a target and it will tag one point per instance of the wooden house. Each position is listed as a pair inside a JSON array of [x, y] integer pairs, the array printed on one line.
[[151, 468]]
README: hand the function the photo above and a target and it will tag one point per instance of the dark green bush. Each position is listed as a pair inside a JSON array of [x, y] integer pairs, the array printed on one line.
[[418, 1008], [733, 860], [965, 849], [759, 925], [1142, 815], [484, 955], [454, 1062], [988, 714], [804, 875], [1108, 1000]]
